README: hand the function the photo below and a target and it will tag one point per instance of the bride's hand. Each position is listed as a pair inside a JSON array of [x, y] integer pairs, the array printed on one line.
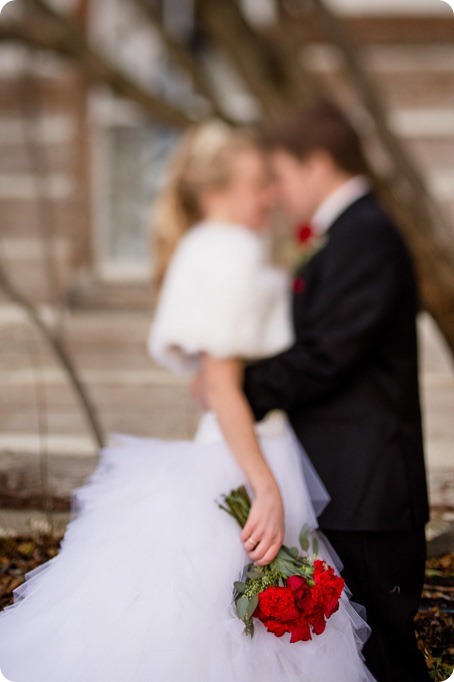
[[265, 524]]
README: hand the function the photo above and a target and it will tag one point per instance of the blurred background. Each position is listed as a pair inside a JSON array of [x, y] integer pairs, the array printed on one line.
[[93, 95]]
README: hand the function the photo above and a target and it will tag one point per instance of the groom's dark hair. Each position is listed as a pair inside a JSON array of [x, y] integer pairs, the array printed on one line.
[[319, 126]]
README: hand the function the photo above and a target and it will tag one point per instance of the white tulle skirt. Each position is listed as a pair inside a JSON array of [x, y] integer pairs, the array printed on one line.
[[141, 590]]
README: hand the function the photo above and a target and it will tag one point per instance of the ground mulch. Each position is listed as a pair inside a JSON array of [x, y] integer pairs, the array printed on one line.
[[435, 619], [18, 556], [434, 622]]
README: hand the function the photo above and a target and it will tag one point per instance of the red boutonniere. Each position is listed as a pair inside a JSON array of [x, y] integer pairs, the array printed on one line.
[[308, 243], [304, 234], [305, 245], [300, 250]]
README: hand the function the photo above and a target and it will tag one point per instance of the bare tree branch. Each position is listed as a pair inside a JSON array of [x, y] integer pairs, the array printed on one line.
[[227, 28], [182, 56], [301, 86], [30, 105], [60, 352], [64, 37], [43, 432], [372, 100]]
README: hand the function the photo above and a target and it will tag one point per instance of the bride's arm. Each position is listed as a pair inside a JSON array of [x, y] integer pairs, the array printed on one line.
[[222, 388]]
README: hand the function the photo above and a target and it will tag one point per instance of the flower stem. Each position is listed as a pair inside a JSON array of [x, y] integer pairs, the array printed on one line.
[[238, 504]]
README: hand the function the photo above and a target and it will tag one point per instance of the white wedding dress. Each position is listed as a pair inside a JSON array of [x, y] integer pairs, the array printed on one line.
[[141, 590]]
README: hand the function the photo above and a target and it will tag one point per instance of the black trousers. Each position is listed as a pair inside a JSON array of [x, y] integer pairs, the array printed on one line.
[[385, 573]]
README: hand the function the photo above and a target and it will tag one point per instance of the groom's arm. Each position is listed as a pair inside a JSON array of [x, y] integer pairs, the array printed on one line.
[[362, 274]]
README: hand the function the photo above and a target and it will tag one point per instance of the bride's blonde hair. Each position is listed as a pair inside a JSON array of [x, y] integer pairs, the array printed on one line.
[[200, 161]]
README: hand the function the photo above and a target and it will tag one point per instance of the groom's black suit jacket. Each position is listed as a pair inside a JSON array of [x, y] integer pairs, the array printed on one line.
[[349, 384]]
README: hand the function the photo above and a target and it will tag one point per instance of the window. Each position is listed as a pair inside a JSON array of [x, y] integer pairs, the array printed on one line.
[[129, 150]]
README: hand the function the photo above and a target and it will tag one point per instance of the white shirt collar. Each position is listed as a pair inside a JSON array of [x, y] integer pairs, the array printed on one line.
[[336, 202]]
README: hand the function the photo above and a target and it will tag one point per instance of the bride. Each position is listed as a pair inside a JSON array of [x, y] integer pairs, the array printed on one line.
[[141, 589]]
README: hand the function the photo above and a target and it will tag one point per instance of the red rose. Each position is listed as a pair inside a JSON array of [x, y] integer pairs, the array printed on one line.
[[319, 567], [304, 234], [298, 608], [327, 588], [301, 631], [277, 627], [277, 602], [317, 620], [302, 592], [294, 582]]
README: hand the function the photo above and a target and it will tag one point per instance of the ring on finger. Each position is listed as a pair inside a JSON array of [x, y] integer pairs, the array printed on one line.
[[251, 539]]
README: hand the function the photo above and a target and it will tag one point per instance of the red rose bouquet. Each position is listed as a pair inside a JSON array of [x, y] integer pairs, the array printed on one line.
[[294, 593]]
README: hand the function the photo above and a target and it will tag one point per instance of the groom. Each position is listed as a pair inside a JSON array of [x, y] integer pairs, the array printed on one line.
[[349, 384]]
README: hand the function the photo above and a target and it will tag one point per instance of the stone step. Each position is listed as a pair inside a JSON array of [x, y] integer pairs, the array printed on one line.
[[14, 522], [21, 481], [439, 533]]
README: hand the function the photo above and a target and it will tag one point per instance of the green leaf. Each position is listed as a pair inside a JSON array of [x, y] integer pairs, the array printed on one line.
[[304, 538], [293, 551], [289, 556], [253, 601], [315, 546], [239, 586], [242, 606], [285, 567]]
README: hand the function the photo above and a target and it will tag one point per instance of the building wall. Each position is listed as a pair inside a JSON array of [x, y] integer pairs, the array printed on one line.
[[82, 166], [43, 171]]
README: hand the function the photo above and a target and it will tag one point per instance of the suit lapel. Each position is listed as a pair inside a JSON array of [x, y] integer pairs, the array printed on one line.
[[306, 275]]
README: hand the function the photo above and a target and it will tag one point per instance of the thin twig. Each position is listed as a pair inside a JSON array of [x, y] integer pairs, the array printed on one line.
[[43, 432], [60, 352]]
